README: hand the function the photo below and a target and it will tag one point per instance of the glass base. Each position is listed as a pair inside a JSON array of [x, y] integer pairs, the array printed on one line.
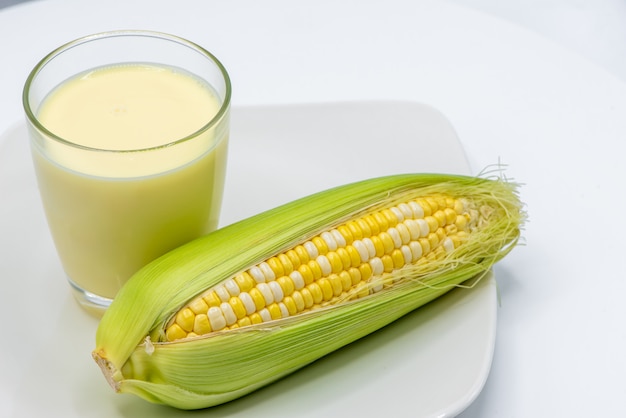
[[92, 303]]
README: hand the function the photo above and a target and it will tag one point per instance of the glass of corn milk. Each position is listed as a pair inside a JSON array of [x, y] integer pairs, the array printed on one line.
[[129, 135]]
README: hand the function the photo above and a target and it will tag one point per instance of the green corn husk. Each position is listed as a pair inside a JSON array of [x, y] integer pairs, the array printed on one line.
[[209, 370]]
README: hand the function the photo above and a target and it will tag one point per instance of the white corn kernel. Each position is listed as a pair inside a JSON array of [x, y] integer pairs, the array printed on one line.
[[371, 249], [377, 266], [413, 227], [405, 235], [232, 287], [216, 318], [267, 271], [396, 211], [406, 210], [266, 292], [265, 315], [298, 280], [416, 250], [339, 239], [311, 249], [248, 303], [277, 291], [329, 240], [418, 212], [377, 285], [395, 236], [283, 310], [448, 245], [257, 274], [229, 314], [362, 250], [424, 228], [407, 254], [324, 264], [222, 293]]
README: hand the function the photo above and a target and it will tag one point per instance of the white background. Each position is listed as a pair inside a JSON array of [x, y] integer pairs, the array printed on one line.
[[595, 29], [537, 84]]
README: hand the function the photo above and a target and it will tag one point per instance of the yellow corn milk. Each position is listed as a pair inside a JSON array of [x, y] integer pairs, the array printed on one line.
[[111, 208]]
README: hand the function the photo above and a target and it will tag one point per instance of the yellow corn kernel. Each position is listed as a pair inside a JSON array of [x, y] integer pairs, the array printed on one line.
[[433, 240], [405, 234], [276, 266], [378, 245], [425, 245], [316, 292], [315, 269], [355, 257], [244, 322], [433, 223], [244, 281], [450, 215], [286, 284], [336, 264], [432, 203], [257, 298], [326, 288], [461, 222], [298, 300], [286, 262], [441, 234], [212, 299], [302, 253], [198, 306], [344, 256], [201, 325], [451, 229], [398, 259], [294, 258], [290, 304], [306, 273], [366, 271], [392, 218], [355, 275], [255, 318], [175, 332], [372, 224], [336, 284], [362, 289], [238, 307], [344, 230], [346, 280], [366, 231], [185, 319], [387, 241], [440, 216], [321, 245], [381, 221], [387, 263], [307, 297], [274, 311], [354, 229]]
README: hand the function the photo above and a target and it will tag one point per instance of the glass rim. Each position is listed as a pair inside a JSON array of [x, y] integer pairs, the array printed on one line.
[[224, 106]]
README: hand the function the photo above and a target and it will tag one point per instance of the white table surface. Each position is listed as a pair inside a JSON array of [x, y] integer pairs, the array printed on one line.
[[550, 108]]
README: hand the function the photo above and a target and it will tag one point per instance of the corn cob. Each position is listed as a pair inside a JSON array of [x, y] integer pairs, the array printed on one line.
[[241, 307]]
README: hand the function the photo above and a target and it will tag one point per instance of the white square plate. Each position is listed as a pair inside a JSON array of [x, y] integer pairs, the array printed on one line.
[[432, 362]]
